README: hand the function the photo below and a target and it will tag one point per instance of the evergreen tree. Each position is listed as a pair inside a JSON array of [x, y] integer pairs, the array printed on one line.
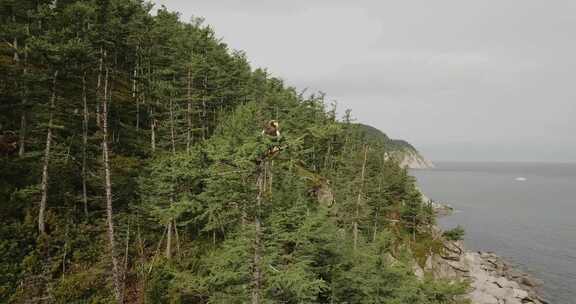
[[135, 169]]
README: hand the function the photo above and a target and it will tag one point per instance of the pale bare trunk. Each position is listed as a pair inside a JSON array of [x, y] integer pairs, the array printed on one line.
[[173, 141], [257, 272], [65, 252], [177, 240], [414, 229], [135, 90], [99, 86], [84, 145], [172, 131], [169, 241], [108, 186], [137, 117], [23, 123], [16, 56], [169, 229], [189, 111], [375, 230], [359, 200], [153, 136], [45, 176], [377, 213], [134, 76], [269, 167], [22, 142], [257, 275], [126, 252], [204, 109]]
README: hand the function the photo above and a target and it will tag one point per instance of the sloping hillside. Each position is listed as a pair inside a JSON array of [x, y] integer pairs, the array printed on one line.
[[402, 151], [142, 161]]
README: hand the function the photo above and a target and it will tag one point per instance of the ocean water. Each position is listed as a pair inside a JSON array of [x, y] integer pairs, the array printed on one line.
[[524, 212]]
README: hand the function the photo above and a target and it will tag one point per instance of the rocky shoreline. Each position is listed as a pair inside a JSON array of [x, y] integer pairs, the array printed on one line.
[[496, 281], [492, 279]]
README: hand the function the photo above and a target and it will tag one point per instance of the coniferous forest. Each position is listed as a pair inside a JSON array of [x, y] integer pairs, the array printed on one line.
[[144, 161]]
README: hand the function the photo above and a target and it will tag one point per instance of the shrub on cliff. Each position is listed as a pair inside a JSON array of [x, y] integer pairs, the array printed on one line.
[[455, 234]]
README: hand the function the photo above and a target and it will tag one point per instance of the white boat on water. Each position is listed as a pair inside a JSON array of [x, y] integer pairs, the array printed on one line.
[[521, 179]]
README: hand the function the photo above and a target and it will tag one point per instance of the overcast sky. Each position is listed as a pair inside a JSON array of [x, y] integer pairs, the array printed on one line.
[[461, 80]]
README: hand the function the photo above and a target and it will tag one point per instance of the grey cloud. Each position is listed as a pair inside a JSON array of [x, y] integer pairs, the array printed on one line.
[[441, 74]]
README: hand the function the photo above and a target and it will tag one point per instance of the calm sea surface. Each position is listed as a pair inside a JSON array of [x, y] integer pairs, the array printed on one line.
[[531, 222]]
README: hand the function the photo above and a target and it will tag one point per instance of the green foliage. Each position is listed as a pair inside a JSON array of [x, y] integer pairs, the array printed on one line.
[[170, 184], [198, 191], [455, 234], [82, 286], [159, 281]]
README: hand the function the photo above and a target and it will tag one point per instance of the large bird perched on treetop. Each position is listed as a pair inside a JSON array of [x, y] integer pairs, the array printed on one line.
[[271, 132], [271, 128]]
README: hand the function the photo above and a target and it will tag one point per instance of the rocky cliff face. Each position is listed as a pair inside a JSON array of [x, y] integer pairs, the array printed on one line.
[[412, 159], [400, 150]]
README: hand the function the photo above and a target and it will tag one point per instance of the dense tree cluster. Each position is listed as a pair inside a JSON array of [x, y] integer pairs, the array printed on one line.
[[134, 170]]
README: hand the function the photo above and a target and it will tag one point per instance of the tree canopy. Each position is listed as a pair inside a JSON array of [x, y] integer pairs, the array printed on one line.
[[134, 170]]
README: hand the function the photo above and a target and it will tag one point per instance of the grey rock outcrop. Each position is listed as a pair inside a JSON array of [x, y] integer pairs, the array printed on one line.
[[400, 150], [493, 281], [411, 159]]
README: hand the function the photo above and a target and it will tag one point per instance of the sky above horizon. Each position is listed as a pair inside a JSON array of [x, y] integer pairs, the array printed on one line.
[[460, 80]]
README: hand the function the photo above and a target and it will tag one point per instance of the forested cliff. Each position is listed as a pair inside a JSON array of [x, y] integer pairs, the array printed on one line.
[[134, 169], [400, 150]]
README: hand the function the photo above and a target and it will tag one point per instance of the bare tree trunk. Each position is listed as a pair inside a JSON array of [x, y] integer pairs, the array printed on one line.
[[257, 275], [375, 225], [380, 185], [172, 134], [257, 272], [126, 253], [173, 141], [108, 186], [189, 111], [99, 85], [153, 136], [22, 143], [84, 145], [169, 240], [359, 200], [135, 76], [16, 56], [269, 166], [376, 214], [137, 117], [169, 229], [65, 251], [45, 176], [177, 240], [135, 89], [204, 109]]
